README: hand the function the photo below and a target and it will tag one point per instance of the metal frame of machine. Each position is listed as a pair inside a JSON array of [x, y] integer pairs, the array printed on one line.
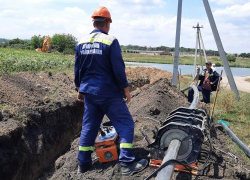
[[186, 125]]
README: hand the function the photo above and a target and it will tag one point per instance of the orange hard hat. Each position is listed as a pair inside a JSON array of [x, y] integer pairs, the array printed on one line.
[[102, 12]]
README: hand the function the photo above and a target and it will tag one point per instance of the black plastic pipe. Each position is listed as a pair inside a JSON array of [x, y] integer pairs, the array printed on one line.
[[235, 138], [196, 97]]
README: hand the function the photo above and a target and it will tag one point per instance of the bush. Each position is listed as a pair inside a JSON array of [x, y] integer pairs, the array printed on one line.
[[62, 42], [36, 41], [68, 51], [16, 41], [231, 57], [245, 55], [217, 64]]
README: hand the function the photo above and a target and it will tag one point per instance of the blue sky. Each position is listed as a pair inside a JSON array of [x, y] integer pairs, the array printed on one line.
[[138, 22]]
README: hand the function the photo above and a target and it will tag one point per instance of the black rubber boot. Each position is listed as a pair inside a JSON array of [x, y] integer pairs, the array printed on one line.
[[128, 169], [83, 168]]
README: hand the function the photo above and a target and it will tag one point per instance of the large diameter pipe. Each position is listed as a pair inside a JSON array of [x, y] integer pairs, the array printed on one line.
[[196, 97], [235, 138], [172, 153]]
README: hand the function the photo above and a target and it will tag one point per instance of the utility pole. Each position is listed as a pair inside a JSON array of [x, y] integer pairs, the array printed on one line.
[[177, 44], [221, 49], [195, 57], [199, 41], [203, 47]]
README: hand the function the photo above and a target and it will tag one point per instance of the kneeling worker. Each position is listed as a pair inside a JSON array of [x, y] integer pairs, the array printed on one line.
[[101, 82], [208, 82]]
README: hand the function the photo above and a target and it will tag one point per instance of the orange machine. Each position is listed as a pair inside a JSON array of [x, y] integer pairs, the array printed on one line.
[[46, 45], [157, 163], [105, 145]]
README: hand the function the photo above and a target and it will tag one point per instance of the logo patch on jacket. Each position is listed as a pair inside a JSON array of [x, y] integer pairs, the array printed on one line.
[[91, 48]]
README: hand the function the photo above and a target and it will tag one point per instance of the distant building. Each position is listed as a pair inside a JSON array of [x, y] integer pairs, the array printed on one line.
[[130, 51], [165, 53], [153, 53], [185, 53]]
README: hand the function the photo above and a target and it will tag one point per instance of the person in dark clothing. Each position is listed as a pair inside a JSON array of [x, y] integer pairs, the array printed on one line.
[[101, 82], [208, 83]]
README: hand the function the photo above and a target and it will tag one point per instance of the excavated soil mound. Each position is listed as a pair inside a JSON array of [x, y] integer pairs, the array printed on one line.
[[27, 89], [154, 100], [35, 89], [149, 103]]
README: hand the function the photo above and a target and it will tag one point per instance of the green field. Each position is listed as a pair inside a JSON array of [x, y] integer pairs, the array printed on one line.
[[184, 60], [19, 60]]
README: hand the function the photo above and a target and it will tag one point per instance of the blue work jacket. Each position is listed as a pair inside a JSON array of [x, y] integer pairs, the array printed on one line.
[[99, 66]]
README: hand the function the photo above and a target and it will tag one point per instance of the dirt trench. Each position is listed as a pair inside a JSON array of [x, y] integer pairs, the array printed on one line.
[[26, 149], [39, 118]]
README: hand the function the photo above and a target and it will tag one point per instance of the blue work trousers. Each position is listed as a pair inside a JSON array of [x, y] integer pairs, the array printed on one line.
[[117, 111], [205, 94]]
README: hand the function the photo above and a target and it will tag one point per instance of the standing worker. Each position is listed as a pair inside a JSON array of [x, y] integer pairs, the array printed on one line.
[[101, 82], [208, 82]]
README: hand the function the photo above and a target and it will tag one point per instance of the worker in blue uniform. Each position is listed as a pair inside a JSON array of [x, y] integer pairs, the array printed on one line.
[[102, 84], [208, 83]]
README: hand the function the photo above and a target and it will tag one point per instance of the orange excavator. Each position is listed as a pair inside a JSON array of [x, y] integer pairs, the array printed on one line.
[[46, 45]]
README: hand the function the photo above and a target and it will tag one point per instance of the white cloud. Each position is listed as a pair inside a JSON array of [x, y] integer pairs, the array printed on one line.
[[9, 13], [141, 22], [139, 28], [229, 2], [69, 20], [233, 23], [235, 11]]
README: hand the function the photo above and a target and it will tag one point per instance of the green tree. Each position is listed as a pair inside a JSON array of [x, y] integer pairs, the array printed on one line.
[[231, 57], [19, 43], [16, 41], [37, 41], [245, 55], [63, 42]]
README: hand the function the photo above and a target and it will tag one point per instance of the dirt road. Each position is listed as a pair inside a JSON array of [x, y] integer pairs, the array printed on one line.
[[241, 83]]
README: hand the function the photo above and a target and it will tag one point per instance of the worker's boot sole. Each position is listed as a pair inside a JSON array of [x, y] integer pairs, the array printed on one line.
[[136, 167], [83, 169]]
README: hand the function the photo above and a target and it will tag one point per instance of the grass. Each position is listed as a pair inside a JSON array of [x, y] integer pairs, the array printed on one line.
[[184, 60], [248, 79], [20, 60], [237, 113]]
